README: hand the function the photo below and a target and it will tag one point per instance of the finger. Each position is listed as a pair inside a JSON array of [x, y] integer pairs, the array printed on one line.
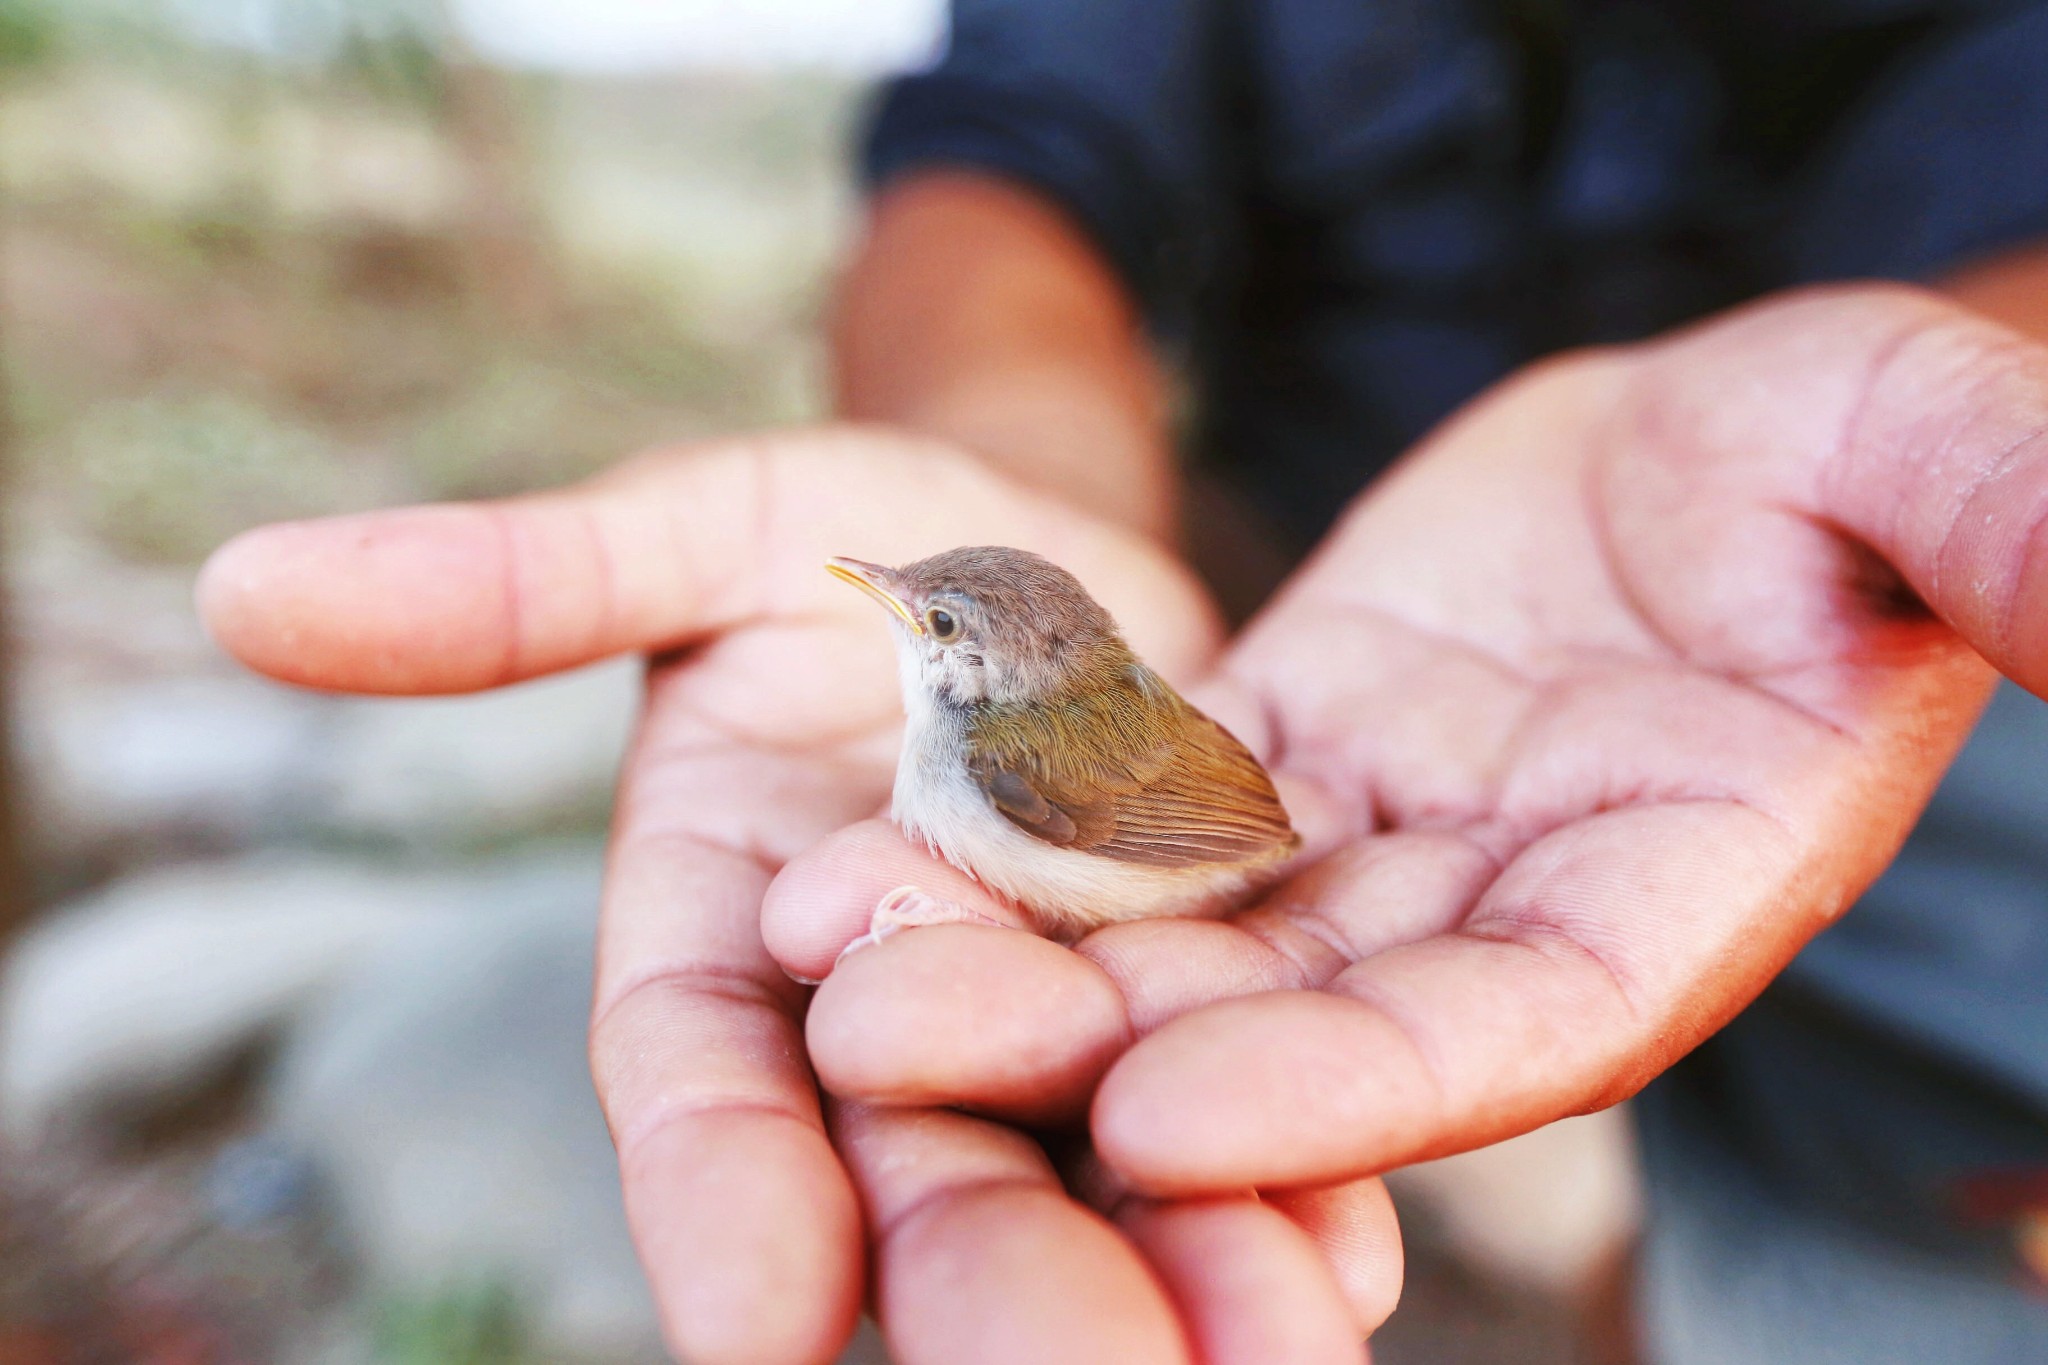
[[866, 1025], [1599, 956], [981, 1256], [1354, 1227], [1251, 1287], [732, 1189], [1014, 1026], [463, 596], [1375, 894], [826, 896], [652, 555], [1887, 420]]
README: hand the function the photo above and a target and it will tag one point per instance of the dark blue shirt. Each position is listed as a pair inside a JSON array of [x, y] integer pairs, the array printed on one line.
[[1353, 216]]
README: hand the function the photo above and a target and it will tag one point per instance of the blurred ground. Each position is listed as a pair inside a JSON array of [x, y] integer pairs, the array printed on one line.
[[292, 1064]]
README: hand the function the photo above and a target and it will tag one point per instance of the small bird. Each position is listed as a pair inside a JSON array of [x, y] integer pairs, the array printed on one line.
[[1042, 757]]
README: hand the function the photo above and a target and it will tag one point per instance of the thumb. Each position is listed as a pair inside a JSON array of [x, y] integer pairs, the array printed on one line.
[[1879, 444], [1944, 469]]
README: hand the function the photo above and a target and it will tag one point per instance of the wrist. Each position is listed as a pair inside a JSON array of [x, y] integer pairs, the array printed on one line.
[[1040, 430], [2010, 288], [975, 311]]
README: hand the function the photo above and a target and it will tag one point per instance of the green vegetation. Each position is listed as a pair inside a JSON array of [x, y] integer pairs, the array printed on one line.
[[470, 1325], [347, 268], [30, 34]]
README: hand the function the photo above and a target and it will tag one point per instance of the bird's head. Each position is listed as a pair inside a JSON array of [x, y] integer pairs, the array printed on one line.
[[988, 623]]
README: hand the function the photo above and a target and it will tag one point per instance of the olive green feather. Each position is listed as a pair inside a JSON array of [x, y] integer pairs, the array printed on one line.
[[1126, 769]]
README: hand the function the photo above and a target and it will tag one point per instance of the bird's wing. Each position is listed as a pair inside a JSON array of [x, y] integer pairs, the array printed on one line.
[[1156, 783]]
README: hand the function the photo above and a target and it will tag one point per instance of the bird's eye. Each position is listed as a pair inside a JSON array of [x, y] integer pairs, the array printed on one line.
[[942, 624]]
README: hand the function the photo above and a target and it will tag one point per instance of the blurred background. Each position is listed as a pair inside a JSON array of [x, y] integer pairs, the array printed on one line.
[[291, 1025]]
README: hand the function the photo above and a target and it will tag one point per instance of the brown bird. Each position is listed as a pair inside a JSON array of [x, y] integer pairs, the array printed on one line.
[[1044, 758]]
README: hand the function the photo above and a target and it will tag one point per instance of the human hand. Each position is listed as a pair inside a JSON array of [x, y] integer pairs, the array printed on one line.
[[771, 718], [1598, 708]]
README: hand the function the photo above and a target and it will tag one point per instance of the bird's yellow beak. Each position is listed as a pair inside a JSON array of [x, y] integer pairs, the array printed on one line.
[[869, 579]]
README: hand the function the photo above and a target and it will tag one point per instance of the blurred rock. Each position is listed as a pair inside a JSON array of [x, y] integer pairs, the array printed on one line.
[[145, 989], [85, 614], [142, 990], [122, 767], [462, 770], [443, 1094], [256, 1182], [208, 757]]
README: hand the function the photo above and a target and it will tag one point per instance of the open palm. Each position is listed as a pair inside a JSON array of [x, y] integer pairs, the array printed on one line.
[[771, 718], [1595, 710]]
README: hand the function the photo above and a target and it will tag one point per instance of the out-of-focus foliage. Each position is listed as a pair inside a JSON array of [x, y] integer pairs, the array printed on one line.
[[30, 32], [316, 259], [475, 1325], [138, 460], [397, 45]]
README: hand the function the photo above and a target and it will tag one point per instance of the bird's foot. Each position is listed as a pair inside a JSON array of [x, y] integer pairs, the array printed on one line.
[[907, 907]]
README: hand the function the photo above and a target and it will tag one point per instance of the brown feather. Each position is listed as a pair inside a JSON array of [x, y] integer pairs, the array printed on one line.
[[1124, 768]]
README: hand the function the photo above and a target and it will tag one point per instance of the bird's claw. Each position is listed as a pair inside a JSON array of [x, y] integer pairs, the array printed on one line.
[[909, 907]]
